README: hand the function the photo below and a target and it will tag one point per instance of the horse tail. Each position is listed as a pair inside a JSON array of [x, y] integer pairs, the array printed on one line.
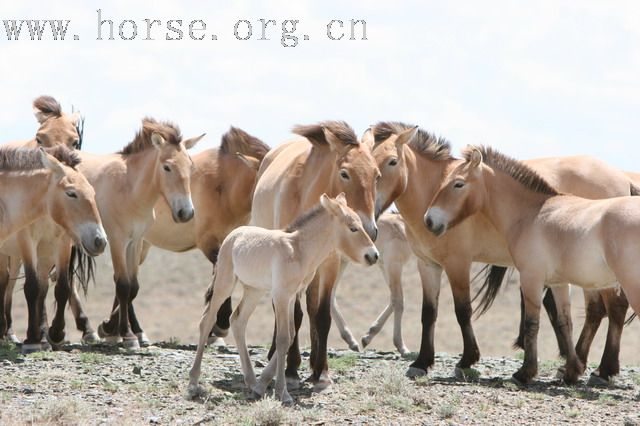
[[634, 190], [630, 319], [490, 288], [81, 266]]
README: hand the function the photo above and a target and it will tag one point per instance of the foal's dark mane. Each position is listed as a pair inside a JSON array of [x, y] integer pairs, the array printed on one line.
[[169, 131], [305, 218], [237, 140], [48, 105], [512, 167], [315, 133], [25, 159], [428, 144]]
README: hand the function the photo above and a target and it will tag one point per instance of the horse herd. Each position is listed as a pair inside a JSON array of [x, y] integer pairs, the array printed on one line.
[[315, 203]]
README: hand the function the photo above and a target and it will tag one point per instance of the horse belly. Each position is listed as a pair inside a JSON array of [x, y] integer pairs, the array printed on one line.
[[586, 267]]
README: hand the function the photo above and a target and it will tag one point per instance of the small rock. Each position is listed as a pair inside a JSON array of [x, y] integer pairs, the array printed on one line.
[[137, 370], [6, 363], [154, 420], [259, 364]]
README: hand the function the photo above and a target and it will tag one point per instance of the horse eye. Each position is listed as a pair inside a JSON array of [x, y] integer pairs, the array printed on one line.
[[353, 229], [344, 175], [76, 143], [166, 168], [458, 184], [38, 141], [71, 194], [393, 162]]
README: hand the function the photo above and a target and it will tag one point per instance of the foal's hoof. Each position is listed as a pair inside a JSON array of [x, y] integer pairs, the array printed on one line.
[[323, 383], [90, 338], [215, 341], [12, 338], [354, 346], [404, 351], [293, 383], [143, 340], [365, 341], [287, 400], [30, 348], [195, 392], [414, 372], [257, 391], [130, 342]]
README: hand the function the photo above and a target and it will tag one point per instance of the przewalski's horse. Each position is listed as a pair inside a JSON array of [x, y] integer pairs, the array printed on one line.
[[128, 185], [328, 159], [56, 127], [411, 175], [553, 238], [34, 184], [282, 263], [395, 253]]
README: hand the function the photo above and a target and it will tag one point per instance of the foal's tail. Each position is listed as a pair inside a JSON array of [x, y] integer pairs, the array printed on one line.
[[223, 276], [490, 288], [81, 266], [634, 191]]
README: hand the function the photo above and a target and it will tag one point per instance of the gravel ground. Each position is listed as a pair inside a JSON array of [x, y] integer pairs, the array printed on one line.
[[104, 385]]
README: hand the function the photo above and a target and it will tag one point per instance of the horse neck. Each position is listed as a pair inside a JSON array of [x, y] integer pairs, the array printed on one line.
[[319, 173], [316, 239], [508, 204], [141, 177], [23, 199], [424, 177]]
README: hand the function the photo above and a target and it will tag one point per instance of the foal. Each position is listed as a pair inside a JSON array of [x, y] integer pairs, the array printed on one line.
[[553, 238], [282, 263]]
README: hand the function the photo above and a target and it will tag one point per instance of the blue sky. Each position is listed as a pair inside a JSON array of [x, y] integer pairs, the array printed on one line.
[[532, 79]]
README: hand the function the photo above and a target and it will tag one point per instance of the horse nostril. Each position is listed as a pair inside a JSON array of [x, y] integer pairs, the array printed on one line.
[[429, 223], [371, 258], [99, 242]]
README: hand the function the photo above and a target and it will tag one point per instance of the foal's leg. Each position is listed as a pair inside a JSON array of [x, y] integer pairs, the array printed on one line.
[[532, 288], [250, 299], [430, 276], [460, 287], [616, 305], [345, 333], [573, 367], [283, 303]]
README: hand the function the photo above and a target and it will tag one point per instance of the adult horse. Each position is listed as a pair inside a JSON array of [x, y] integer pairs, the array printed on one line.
[[327, 159], [553, 238], [34, 184], [412, 174], [128, 185]]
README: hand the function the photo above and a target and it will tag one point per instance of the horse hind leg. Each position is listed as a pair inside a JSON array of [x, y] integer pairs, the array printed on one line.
[[595, 311], [345, 333], [573, 367]]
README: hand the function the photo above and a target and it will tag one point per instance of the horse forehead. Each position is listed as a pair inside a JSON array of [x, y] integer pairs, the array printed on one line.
[[360, 159]]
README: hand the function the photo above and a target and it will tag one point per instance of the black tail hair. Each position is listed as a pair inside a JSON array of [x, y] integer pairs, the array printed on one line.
[[82, 266], [634, 190], [630, 319], [490, 288]]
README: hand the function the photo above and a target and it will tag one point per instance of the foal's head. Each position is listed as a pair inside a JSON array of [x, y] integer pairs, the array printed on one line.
[[356, 172], [388, 142], [56, 127], [353, 240], [460, 195], [71, 201], [173, 165]]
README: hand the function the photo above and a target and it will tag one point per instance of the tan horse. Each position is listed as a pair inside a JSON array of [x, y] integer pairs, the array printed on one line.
[[128, 185], [412, 174], [554, 239], [329, 158], [34, 184], [283, 264]]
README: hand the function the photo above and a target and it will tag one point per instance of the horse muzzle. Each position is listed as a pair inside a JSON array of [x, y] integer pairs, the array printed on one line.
[[93, 239], [435, 221], [371, 256], [182, 210]]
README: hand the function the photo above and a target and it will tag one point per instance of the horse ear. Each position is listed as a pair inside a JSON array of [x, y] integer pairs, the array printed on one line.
[[42, 116], [51, 163], [406, 136], [367, 138], [476, 158], [249, 161], [342, 199], [157, 140], [334, 142], [330, 205], [191, 142]]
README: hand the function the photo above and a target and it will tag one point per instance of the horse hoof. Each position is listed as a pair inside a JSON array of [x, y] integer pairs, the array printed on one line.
[[287, 400], [220, 332], [414, 372], [560, 372], [12, 338], [354, 346], [597, 381], [55, 345], [216, 341], [404, 351], [293, 383], [257, 391], [143, 340], [90, 338], [195, 392], [520, 378], [323, 384], [365, 341], [130, 343], [30, 348]]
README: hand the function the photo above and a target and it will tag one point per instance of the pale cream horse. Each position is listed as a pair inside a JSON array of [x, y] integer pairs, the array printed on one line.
[[553, 238], [55, 128], [282, 263], [128, 185], [412, 171], [328, 158], [34, 184]]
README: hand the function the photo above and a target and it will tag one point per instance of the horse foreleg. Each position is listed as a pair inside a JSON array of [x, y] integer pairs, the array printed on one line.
[[62, 293], [573, 367], [595, 312], [4, 284], [616, 305], [430, 276], [221, 327], [532, 288]]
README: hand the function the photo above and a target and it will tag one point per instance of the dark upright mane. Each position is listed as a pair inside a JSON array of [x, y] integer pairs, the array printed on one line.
[[305, 218], [315, 132], [237, 140], [169, 131], [434, 147], [24, 159], [514, 168], [48, 105]]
